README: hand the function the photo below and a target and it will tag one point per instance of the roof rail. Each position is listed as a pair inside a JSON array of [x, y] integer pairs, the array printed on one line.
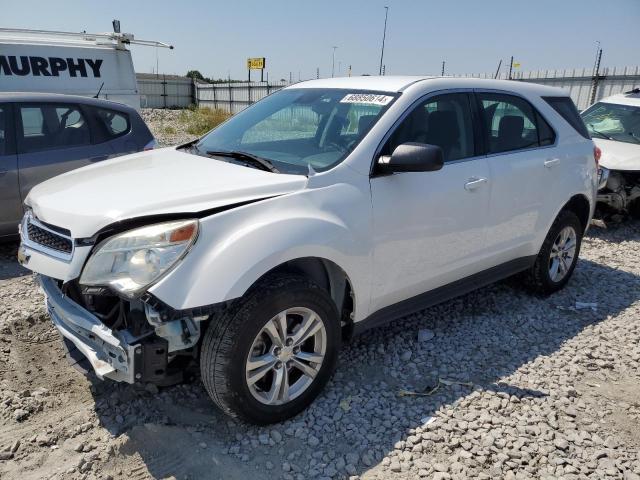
[[118, 40]]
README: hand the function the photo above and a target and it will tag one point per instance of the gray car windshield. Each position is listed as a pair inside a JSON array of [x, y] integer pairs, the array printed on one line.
[[613, 121], [297, 128]]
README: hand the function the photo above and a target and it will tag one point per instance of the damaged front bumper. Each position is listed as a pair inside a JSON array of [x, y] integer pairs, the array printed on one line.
[[113, 355]]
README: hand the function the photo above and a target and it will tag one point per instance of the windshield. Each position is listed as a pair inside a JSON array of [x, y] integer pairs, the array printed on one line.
[[613, 122], [295, 128]]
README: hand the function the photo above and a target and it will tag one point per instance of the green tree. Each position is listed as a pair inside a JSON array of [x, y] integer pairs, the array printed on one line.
[[195, 74]]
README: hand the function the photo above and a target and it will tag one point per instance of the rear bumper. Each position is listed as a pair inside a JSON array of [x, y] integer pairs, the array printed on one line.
[[109, 353]]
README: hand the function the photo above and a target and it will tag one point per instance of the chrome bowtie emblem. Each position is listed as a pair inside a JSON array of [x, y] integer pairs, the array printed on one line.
[[23, 256]]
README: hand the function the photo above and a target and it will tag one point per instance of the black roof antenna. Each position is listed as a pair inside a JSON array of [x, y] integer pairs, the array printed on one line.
[[99, 90]]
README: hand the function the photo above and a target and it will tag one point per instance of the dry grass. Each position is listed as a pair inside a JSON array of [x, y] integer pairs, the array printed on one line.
[[199, 121]]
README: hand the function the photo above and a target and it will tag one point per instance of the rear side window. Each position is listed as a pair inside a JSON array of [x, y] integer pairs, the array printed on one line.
[[115, 123], [511, 123], [567, 109], [46, 127]]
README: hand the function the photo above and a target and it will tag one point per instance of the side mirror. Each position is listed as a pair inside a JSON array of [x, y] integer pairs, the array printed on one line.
[[412, 157]]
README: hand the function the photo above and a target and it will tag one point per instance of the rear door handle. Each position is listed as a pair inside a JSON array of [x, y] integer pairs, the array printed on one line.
[[552, 162], [474, 182], [99, 158]]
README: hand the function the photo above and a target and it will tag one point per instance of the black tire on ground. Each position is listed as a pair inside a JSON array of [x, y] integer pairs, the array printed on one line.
[[229, 338], [634, 209], [538, 277]]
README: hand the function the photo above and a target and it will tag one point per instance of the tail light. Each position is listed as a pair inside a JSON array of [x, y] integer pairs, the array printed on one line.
[[154, 144], [597, 153]]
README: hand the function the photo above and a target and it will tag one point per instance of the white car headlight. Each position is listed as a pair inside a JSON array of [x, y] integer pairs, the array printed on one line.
[[133, 260]]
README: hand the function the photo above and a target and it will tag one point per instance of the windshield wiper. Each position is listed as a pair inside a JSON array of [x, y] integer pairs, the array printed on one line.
[[603, 135], [260, 162]]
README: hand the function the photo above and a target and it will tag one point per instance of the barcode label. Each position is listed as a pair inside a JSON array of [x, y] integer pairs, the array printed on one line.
[[367, 98]]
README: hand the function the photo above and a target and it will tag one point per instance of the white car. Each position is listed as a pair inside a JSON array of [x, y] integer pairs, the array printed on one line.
[[614, 124], [325, 209]]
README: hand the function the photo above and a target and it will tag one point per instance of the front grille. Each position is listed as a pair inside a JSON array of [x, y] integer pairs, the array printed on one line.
[[49, 239]]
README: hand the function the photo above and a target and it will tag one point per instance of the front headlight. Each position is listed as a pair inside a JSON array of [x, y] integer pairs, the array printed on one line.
[[131, 261]]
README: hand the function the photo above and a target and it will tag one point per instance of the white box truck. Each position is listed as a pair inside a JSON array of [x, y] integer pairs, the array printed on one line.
[[70, 63]]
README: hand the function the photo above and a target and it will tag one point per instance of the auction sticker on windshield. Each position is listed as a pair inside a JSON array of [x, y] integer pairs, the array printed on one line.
[[367, 98]]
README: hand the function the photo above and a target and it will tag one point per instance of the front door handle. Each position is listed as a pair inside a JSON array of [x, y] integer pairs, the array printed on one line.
[[552, 162], [98, 158], [474, 182]]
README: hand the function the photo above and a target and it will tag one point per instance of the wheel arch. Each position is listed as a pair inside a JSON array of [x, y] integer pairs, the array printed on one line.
[[580, 205], [331, 277]]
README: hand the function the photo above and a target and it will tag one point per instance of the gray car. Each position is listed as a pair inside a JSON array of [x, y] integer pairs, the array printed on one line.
[[43, 135]]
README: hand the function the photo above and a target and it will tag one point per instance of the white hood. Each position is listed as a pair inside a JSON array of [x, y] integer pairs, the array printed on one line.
[[619, 155], [150, 183]]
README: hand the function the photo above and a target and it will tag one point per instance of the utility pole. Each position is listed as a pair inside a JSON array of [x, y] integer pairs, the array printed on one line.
[[290, 78], [498, 70], [384, 36], [349, 70], [510, 67], [333, 62], [442, 68], [596, 75], [317, 72]]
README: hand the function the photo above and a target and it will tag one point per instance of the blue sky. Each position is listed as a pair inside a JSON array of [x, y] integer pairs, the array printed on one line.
[[471, 35]]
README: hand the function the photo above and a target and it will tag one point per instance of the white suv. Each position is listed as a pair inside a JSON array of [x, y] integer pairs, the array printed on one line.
[[325, 209], [614, 123]]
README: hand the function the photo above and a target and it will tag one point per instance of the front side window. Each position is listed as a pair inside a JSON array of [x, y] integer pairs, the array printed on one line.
[[613, 121], [444, 120], [511, 123], [295, 128], [114, 123], [46, 127]]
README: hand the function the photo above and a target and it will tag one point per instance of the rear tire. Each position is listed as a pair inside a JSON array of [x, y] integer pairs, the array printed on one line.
[[248, 340], [558, 255]]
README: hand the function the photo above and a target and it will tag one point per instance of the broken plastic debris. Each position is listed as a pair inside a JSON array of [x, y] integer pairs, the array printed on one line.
[[424, 335], [582, 305], [431, 391], [345, 404], [427, 420]]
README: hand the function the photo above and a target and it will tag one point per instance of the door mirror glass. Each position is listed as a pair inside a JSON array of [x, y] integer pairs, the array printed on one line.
[[412, 157]]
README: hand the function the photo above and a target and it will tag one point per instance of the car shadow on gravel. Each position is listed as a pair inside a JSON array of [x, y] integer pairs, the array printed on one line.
[[388, 388], [9, 267]]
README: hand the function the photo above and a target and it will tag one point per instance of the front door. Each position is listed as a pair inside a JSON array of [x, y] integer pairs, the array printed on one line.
[[10, 202], [429, 227]]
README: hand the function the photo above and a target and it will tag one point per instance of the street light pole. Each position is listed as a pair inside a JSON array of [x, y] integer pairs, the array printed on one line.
[[384, 35], [333, 62]]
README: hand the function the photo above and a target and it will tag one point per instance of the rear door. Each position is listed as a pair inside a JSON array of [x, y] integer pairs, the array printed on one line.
[[522, 164], [53, 138], [114, 128], [10, 202]]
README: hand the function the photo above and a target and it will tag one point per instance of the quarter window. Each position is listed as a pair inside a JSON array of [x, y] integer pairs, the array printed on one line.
[[46, 127], [511, 123], [444, 121], [115, 123]]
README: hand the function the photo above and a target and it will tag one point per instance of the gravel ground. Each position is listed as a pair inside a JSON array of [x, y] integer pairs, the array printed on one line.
[[527, 387], [166, 127]]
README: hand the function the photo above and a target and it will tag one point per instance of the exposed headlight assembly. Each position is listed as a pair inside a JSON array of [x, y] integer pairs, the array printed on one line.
[[131, 261]]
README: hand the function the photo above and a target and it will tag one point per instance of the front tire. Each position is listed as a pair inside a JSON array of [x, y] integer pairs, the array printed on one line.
[[558, 256], [269, 356]]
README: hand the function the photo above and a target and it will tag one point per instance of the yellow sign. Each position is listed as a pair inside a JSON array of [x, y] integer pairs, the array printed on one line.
[[256, 63], [516, 64]]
